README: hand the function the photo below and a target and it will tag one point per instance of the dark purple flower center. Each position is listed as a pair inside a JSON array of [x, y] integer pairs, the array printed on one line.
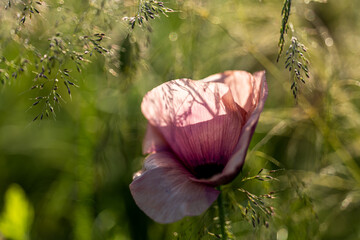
[[207, 170]]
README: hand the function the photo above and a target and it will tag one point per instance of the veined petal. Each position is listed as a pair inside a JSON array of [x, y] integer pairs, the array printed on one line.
[[182, 102], [236, 161], [164, 191], [244, 87], [153, 141], [199, 120]]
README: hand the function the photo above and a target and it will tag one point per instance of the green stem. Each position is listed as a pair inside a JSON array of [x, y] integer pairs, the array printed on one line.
[[221, 215]]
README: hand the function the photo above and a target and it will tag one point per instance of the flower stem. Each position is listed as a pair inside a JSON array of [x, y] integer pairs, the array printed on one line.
[[221, 215]]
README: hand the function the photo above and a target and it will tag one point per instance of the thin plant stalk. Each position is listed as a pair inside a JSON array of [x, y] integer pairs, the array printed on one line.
[[221, 215]]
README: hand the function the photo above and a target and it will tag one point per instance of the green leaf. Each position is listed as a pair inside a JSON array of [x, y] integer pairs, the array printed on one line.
[[18, 214]]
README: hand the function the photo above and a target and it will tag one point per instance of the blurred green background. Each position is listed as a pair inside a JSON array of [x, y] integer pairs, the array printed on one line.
[[67, 176]]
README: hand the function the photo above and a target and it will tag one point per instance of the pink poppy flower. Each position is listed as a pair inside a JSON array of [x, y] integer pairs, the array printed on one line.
[[197, 137]]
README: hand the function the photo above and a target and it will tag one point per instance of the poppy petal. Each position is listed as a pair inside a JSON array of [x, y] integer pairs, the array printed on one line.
[[182, 102], [243, 87], [164, 191], [200, 121], [153, 141], [236, 162]]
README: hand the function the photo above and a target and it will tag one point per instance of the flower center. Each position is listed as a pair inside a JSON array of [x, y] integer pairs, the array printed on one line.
[[207, 170]]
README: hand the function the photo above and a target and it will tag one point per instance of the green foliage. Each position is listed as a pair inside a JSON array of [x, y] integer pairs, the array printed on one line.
[[58, 55], [76, 170], [285, 13], [129, 60], [148, 9], [17, 216], [257, 210], [53, 60], [27, 9], [71, 42], [298, 63]]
